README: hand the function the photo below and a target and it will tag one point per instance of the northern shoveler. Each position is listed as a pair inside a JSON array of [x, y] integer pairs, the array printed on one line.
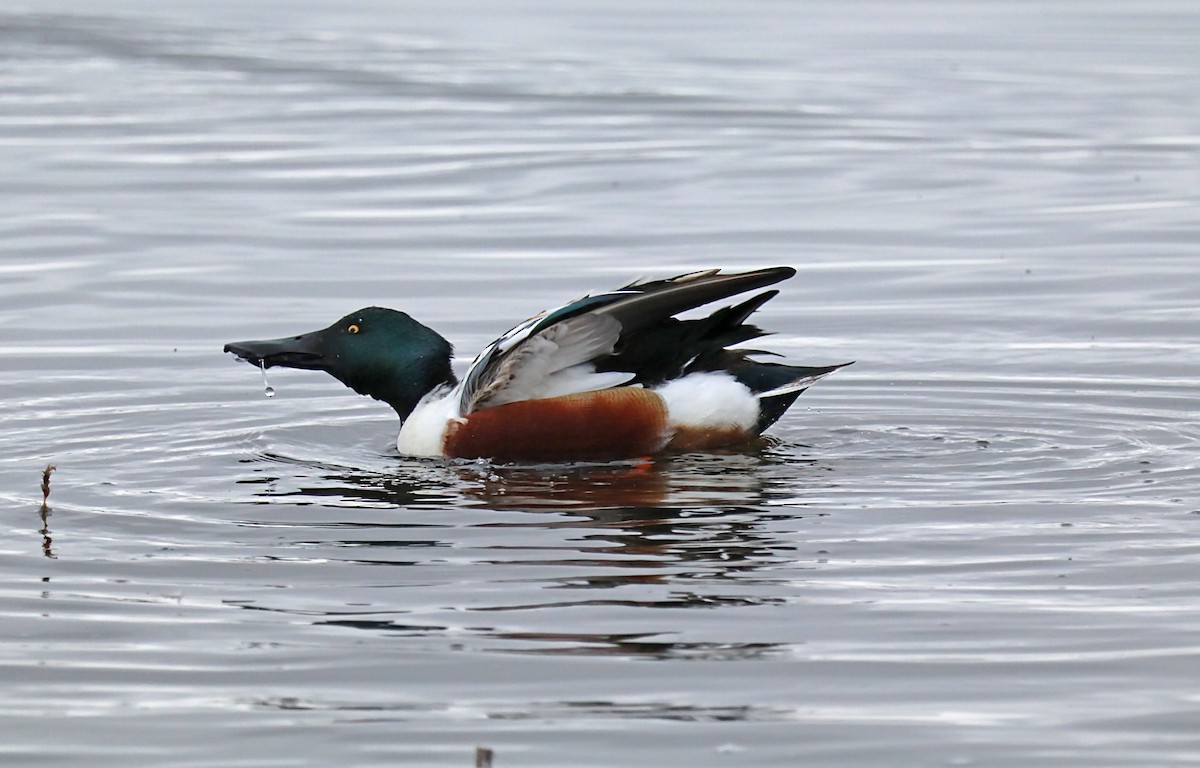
[[610, 376]]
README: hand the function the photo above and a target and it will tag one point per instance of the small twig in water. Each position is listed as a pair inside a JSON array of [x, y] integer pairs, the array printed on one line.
[[46, 542], [46, 484]]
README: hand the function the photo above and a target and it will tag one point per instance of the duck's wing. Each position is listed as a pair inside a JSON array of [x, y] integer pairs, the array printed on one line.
[[527, 364], [575, 348]]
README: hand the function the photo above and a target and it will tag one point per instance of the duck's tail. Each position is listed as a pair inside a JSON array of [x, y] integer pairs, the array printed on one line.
[[776, 385]]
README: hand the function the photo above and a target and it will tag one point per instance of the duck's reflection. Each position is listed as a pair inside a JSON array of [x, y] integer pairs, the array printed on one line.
[[677, 532], [710, 509]]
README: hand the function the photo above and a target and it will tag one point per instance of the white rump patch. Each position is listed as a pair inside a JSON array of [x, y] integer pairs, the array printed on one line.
[[710, 401]]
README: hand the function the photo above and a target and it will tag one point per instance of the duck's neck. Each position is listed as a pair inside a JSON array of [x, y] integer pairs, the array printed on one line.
[[437, 377]]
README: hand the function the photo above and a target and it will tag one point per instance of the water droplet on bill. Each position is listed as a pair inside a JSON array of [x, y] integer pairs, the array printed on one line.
[[268, 390]]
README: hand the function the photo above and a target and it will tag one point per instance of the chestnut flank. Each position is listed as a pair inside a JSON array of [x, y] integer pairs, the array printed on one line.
[[619, 423]]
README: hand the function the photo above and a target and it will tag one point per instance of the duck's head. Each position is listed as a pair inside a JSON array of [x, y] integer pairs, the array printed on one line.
[[375, 351]]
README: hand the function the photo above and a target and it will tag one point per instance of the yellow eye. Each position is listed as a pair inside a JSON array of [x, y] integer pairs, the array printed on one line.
[[352, 329]]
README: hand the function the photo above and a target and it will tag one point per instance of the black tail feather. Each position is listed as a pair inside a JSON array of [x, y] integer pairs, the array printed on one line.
[[672, 347], [649, 303], [764, 377], [657, 347]]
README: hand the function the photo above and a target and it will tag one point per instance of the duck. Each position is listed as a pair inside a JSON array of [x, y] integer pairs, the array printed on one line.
[[608, 376]]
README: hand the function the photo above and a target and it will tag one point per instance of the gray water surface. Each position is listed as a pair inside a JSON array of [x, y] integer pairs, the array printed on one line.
[[977, 546]]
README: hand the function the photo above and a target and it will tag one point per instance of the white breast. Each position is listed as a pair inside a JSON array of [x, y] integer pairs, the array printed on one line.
[[423, 431]]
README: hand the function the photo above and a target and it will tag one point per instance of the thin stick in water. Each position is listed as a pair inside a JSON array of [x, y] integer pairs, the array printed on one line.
[[46, 484]]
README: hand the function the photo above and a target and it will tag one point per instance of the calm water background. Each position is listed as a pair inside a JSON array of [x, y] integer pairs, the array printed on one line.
[[978, 546]]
